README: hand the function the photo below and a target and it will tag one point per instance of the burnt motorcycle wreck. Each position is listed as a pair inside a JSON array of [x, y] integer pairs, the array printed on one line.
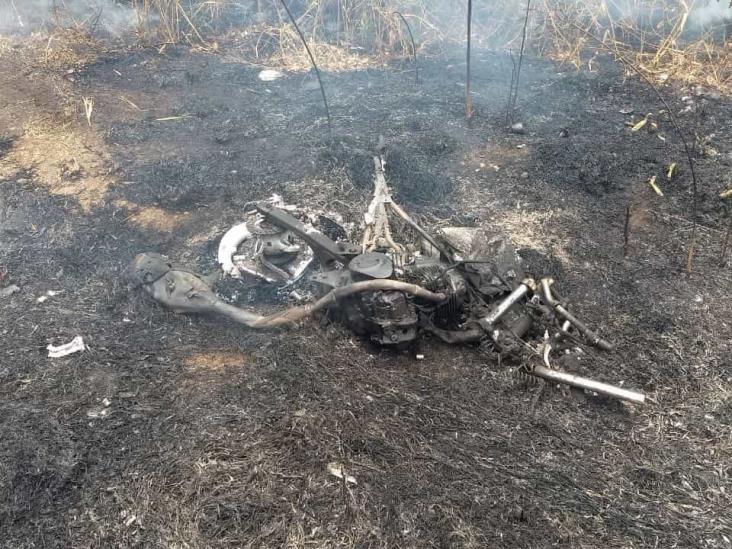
[[459, 285]]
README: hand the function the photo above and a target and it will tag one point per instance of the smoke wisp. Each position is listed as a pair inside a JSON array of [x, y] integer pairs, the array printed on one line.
[[26, 16]]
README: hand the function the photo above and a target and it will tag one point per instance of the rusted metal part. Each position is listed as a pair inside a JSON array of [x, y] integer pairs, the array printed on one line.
[[461, 285], [184, 292], [325, 249]]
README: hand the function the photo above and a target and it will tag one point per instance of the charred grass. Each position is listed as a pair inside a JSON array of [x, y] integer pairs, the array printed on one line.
[[217, 437]]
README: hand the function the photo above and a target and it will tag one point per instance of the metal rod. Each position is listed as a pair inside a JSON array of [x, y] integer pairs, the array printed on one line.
[[590, 334], [512, 106], [506, 304], [468, 94], [414, 47], [315, 65], [424, 234], [589, 384], [510, 89]]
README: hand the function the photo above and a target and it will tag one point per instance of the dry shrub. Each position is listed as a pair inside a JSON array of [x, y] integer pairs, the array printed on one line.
[[344, 30], [657, 36]]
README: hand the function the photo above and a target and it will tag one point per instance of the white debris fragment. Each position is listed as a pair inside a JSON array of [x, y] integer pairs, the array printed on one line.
[[227, 248], [9, 290], [336, 469], [518, 127], [49, 293], [269, 75], [95, 413], [235, 265], [130, 521], [106, 402], [74, 346]]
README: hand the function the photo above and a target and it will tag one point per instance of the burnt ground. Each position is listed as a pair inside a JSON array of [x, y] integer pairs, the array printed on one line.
[[219, 437]]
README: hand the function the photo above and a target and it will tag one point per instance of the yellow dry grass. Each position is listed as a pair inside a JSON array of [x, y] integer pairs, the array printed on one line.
[[216, 361], [528, 229], [152, 217], [670, 49], [63, 160]]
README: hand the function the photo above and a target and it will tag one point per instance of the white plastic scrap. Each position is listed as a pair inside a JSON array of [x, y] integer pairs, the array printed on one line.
[[234, 237], [74, 346], [228, 246], [268, 75], [49, 293], [9, 290]]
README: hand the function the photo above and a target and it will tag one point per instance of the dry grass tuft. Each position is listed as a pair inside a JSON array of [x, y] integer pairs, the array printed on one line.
[[659, 37], [152, 217], [63, 159], [216, 361]]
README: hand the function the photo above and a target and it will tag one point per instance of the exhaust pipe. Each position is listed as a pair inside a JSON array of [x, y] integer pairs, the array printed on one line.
[[591, 385]]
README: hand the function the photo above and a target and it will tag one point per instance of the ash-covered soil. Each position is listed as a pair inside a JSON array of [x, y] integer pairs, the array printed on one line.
[[214, 436]]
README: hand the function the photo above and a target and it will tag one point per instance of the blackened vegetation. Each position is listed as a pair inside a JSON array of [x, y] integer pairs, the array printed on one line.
[[349, 155], [594, 166], [219, 437], [178, 186], [412, 181], [408, 167], [5, 143]]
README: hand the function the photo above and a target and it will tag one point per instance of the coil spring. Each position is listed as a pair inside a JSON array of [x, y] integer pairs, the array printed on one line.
[[487, 347], [522, 377]]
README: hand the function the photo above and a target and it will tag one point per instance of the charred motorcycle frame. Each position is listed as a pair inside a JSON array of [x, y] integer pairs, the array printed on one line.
[[458, 284]]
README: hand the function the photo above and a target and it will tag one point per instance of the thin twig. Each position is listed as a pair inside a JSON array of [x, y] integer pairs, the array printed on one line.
[[725, 244], [315, 65], [468, 95], [17, 13], [510, 88], [512, 107], [626, 232], [414, 47]]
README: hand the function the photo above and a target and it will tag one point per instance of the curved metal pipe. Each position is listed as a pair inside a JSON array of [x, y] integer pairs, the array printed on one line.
[[184, 292], [591, 385], [593, 336]]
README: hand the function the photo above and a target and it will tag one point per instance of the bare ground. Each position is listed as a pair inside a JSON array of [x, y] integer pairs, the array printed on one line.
[[219, 437]]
